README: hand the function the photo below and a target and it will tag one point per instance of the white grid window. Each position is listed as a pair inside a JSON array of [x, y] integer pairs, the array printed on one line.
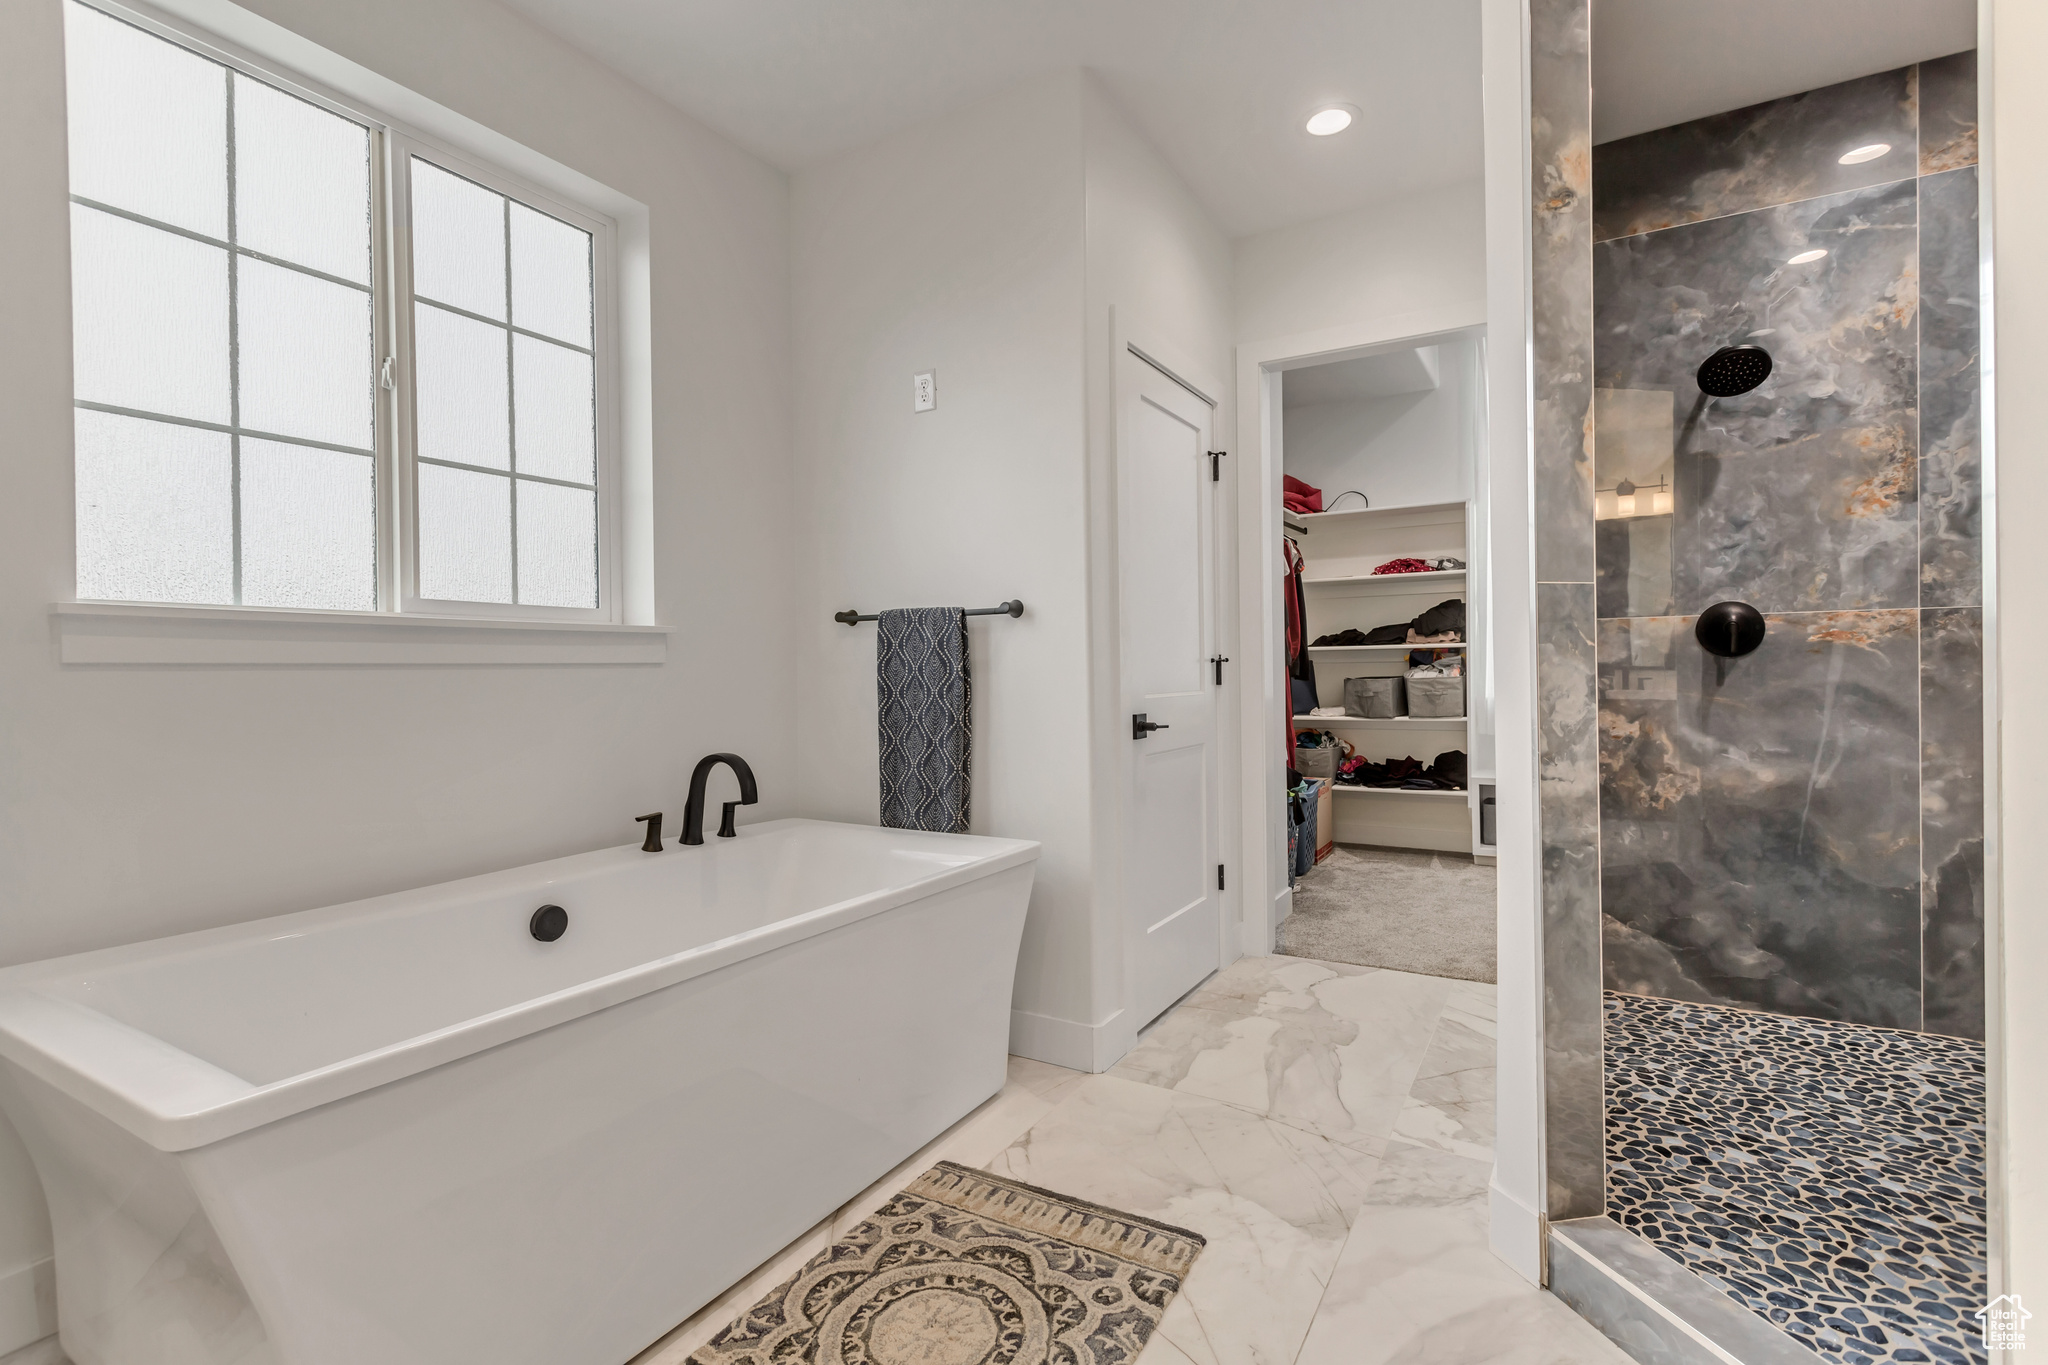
[[319, 365]]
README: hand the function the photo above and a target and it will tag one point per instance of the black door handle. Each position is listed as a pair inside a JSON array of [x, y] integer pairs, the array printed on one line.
[[1219, 660], [1140, 727]]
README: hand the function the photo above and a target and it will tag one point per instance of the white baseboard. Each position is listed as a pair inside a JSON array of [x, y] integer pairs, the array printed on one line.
[[1258, 939], [44, 1352], [1515, 1231], [28, 1308], [1070, 1043]]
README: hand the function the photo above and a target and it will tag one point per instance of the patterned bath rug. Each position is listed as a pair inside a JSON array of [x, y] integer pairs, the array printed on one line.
[[968, 1268]]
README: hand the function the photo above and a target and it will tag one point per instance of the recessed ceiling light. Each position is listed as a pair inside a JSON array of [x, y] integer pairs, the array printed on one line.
[[1868, 152], [1803, 257], [1332, 118]]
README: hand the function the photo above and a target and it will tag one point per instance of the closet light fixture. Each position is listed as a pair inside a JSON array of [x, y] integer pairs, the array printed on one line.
[[1803, 257], [1871, 151], [1332, 118]]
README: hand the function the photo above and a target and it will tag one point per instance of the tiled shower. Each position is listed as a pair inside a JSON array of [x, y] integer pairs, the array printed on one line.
[[1762, 876], [1794, 839], [1799, 830]]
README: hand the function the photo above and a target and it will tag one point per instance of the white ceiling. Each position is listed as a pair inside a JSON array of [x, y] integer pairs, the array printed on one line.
[[1370, 376], [1660, 62], [1220, 87]]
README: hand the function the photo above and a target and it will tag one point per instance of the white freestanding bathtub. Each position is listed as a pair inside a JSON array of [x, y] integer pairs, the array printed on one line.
[[405, 1131]]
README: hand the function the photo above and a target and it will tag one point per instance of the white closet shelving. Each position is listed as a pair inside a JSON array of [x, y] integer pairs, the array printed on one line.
[[1341, 592]]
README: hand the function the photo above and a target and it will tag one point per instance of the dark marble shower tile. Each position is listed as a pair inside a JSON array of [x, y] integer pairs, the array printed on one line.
[[1952, 820], [1800, 495], [1760, 816], [1951, 467], [1561, 281], [1948, 113], [1568, 797], [1773, 153]]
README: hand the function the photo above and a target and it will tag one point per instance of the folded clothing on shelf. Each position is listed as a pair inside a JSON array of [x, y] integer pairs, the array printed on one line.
[[1406, 774], [1447, 615], [1419, 565], [1300, 497], [1442, 637]]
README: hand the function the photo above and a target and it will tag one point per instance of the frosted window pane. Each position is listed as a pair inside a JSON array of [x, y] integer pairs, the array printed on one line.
[[302, 182], [305, 355], [550, 276], [552, 414], [148, 123], [155, 511], [465, 535], [458, 241], [309, 528], [557, 546], [149, 318], [461, 389]]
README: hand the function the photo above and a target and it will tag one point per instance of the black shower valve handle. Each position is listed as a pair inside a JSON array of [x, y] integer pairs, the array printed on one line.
[[1730, 629]]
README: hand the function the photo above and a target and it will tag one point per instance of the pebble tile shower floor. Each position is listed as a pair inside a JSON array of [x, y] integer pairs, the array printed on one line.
[[1827, 1176]]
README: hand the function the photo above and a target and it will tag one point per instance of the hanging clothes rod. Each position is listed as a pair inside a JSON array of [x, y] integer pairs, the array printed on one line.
[[1015, 608]]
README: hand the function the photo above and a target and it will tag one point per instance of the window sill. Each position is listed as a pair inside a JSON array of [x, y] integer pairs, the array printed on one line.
[[135, 633]]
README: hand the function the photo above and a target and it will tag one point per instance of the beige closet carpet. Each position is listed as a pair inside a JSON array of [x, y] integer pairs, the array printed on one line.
[[969, 1268], [1407, 909]]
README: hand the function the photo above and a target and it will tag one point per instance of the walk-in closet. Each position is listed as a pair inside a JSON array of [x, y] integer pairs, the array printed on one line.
[[1389, 815]]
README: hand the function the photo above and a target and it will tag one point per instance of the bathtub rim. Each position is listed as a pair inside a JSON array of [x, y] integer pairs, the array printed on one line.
[[187, 1102]]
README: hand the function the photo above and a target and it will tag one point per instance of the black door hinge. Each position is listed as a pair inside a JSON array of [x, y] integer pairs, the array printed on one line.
[[1219, 877], [1217, 661], [1216, 465]]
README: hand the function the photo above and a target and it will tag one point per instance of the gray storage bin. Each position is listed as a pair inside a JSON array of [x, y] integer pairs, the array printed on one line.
[[1436, 697], [1375, 698], [1318, 761]]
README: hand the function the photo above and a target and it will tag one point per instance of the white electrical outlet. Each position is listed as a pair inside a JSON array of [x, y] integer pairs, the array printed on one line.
[[926, 393]]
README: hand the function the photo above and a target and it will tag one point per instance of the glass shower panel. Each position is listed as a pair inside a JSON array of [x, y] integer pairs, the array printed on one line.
[[1634, 499]]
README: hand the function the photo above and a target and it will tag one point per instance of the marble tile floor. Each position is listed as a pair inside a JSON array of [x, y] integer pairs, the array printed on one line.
[[1328, 1128]]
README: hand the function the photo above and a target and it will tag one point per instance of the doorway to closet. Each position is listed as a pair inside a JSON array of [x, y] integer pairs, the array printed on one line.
[[1388, 815]]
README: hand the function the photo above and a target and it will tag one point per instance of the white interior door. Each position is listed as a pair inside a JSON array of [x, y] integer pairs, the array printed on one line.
[[1165, 548]]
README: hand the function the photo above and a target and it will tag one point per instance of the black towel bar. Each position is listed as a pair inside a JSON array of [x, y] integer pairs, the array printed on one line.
[[1015, 608]]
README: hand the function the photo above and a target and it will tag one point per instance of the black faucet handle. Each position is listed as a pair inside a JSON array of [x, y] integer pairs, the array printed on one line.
[[652, 844], [725, 827]]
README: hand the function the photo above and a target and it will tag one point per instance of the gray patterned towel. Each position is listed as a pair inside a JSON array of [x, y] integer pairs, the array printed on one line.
[[927, 738]]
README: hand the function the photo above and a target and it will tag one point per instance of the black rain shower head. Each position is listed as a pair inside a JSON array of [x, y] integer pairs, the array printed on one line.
[[1732, 370]]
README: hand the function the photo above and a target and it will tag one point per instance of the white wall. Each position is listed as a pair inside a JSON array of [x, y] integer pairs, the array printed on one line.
[[1416, 255], [990, 245], [1516, 1199], [955, 246], [136, 802], [1160, 270], [2015, 106], [1402, 450]]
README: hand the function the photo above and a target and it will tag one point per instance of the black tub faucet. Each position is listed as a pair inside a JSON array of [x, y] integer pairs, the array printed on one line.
[[693, 809]]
